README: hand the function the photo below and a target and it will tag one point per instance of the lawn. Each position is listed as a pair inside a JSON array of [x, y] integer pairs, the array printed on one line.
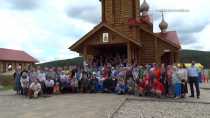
[[7, 82]]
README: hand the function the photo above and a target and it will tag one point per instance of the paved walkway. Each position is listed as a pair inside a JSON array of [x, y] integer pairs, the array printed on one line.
[[77, 105], [138, 107], [61, 106]]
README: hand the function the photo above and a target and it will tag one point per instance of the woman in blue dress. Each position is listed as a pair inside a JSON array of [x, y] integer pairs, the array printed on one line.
[[17, 76]]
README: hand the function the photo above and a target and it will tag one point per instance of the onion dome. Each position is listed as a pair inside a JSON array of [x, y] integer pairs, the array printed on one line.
[[163, 25], [144, 6]]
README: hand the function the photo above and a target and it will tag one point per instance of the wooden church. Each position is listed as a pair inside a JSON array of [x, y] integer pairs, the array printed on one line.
[[126, 29]]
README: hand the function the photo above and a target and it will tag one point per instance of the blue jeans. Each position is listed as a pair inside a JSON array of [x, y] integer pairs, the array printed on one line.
[[178, 89]]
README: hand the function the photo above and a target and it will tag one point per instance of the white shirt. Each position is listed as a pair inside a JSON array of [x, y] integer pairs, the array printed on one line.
[[193, 72], [63, 77], [24, 82], [35, 87], [182, 73], [41, 77], [49, 83]]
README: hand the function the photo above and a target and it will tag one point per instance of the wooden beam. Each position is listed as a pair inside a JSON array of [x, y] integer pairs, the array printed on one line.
[[156, 51], [129, 53], [85, 53]]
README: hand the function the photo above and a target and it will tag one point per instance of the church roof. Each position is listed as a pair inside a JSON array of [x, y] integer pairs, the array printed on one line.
[[170, 36], [95, 29], [15, 55]]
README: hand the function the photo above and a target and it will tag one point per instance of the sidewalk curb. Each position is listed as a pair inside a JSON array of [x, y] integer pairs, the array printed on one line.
[[116, 109]]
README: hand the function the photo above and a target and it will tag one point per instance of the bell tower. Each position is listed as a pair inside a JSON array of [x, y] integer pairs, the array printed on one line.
[[119, 11]]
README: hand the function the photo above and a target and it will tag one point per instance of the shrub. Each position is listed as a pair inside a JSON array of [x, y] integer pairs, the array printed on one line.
[[7, 81]]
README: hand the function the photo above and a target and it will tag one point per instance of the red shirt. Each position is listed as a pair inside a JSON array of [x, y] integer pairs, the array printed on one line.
[[158, 86], [157, 73]]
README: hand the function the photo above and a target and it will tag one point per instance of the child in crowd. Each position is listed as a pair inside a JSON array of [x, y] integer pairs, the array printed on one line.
[[56, 88], [120, 87]]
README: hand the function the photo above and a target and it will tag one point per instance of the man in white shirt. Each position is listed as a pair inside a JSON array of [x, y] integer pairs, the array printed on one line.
[[35, 89], [49, 84], [193, 79], [41, 75]]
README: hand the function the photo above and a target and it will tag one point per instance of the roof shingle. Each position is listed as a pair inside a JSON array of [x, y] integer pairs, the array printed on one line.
[[15, 55], [170, 36]]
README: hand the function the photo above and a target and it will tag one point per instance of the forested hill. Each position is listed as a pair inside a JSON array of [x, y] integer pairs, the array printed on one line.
[[202, 57]]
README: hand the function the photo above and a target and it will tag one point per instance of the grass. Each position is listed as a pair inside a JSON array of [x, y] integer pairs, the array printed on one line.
[[9, 87], [7, 82]]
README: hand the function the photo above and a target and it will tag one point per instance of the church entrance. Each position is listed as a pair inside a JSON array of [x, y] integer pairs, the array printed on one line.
[[114, 54], [166, 58]]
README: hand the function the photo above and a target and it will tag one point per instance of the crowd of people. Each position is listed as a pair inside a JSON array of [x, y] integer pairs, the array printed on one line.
[[145, 80]]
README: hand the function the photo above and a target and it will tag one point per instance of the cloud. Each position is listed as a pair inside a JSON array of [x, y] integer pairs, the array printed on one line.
[[24, 4], [87, 13], [189, 24], [42, 32], [51, 26], [187, 38]]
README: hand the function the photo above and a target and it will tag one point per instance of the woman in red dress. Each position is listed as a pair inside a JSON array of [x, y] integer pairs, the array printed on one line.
[[158, 88]]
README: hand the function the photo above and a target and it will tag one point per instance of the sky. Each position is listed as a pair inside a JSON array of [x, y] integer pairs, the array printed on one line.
[[46, 28]]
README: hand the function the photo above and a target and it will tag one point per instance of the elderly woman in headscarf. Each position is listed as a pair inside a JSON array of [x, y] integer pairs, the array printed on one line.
[[24, 80]]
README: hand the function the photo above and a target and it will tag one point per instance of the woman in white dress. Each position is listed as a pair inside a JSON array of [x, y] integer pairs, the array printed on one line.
[[182, 74]]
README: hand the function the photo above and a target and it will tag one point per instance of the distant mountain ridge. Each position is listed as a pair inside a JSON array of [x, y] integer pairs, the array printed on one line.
[[203, 57], [186, 56]]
